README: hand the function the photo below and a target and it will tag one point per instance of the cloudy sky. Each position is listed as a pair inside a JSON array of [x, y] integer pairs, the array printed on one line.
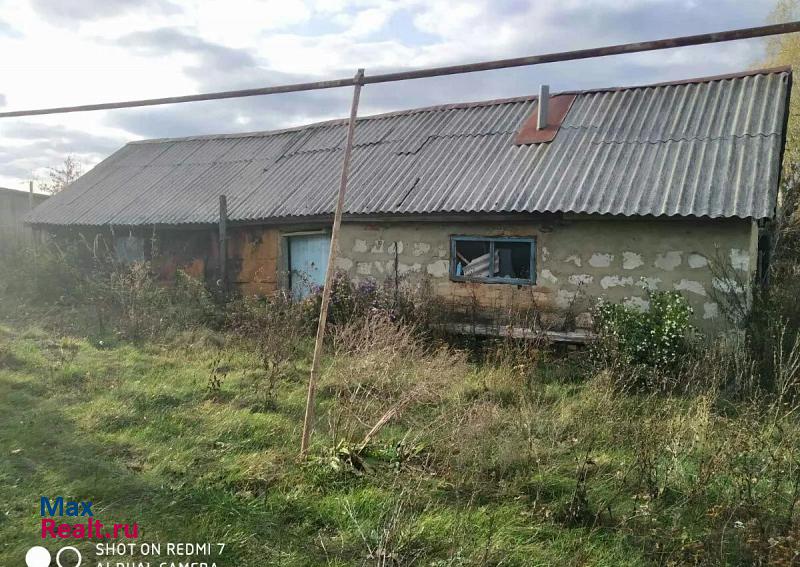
[[58, 53]]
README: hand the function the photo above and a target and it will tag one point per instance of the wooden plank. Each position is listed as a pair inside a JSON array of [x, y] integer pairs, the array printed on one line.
[[308, 421], [481, 329]]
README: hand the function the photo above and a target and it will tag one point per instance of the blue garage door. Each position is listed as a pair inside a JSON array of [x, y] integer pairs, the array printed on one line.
[[308, 260]]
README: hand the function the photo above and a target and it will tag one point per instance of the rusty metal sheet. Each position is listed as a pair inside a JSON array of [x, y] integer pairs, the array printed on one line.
[[557, 111]]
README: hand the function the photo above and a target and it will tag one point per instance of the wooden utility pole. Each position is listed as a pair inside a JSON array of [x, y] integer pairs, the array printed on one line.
[[34, 233], [223, 242], [308, 422]]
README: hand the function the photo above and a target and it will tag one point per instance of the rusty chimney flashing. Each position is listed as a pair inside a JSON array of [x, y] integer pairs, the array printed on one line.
[[544, 123]]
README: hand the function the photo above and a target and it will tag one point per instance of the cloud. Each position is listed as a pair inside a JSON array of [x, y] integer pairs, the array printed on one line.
[[62, 136], [7, 30], [216, 67], [495, 32], [2, 100], [235, 115], [241, 22], [167, 41], [67, 13], [159, 48], [368, 22], [471, 29], [28, 147]]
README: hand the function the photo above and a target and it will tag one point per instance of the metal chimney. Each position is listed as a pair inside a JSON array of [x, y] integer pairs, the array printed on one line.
[[544, 103]]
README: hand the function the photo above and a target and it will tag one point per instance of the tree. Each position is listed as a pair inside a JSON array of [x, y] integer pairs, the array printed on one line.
[[60, 177], [785, 50]]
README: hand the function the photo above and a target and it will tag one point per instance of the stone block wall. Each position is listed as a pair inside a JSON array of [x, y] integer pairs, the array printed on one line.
[[578, 260]]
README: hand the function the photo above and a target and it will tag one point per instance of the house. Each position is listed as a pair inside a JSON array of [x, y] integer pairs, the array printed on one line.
[[14, 205], [621, 189]]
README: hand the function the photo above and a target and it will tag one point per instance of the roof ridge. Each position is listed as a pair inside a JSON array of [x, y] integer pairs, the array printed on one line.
[[473, 104], [23, 192]]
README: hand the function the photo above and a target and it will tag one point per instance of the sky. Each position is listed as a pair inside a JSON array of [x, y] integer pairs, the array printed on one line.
[[57, 53]]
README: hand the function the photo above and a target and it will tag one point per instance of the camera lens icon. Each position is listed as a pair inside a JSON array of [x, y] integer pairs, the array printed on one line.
[[38, 556]]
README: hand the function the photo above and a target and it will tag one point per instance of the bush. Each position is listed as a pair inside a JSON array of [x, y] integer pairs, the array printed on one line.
[[47, 275], [657, 338], [141, 306], [397, 300], [279, 331], [95, 293]]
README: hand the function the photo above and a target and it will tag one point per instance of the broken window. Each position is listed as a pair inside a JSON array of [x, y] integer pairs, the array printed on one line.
[[508, 260]]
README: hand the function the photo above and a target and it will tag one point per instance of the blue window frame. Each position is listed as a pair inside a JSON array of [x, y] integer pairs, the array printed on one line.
[[487, 259]]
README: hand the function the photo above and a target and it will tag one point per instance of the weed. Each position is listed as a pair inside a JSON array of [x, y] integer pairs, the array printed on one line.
[[218, 370], [376, 373], [276, 329]]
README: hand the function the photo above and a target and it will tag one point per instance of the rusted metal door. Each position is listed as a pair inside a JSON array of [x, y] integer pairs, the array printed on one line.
[[308, 259]]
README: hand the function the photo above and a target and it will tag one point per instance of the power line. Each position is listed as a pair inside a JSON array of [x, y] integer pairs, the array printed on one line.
[[684, 41]]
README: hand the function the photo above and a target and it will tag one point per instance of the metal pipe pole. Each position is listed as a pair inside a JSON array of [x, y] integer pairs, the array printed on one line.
[[308, 422], [590, 53], [638, 47]]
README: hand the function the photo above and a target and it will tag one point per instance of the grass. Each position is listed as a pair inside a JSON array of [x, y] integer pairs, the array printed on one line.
[[133, 429], [537, 462]]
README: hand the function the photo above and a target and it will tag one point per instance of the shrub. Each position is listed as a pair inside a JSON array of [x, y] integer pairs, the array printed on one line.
[[656, 338], [396, 299], [141, 306], [82, 280], [766, 307], [277, 329], [48, 275]]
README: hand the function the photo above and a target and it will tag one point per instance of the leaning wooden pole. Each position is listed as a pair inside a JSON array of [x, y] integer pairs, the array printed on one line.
[[222, 258], [308, 422]]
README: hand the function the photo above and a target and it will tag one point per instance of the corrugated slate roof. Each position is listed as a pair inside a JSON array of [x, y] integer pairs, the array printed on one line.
[[708, 147]]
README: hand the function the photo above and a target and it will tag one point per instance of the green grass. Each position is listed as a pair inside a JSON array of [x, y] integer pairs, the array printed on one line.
[[133, 428]]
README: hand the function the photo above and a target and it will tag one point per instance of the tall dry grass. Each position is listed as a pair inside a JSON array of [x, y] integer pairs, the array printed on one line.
[[381, 368]]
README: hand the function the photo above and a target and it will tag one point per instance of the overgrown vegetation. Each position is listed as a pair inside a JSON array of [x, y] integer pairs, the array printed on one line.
[[181, 410], [78, 286], [657, 337]]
